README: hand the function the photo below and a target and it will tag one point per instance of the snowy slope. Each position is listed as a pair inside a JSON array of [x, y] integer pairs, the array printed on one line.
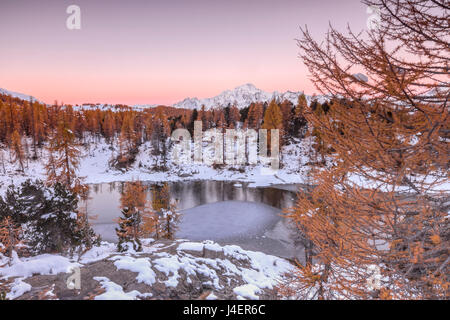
[[95, 168], [18, 95], [164, 270]]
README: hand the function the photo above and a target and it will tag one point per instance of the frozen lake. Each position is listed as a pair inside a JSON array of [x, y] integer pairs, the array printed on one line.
[[226, 212]]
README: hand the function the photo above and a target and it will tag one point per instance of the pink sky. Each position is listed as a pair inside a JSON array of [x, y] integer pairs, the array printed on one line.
[[137, 52]]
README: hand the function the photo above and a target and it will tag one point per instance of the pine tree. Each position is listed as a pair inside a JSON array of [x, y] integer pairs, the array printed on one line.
[[127, 232], [55, 228], [49, 215], [169, 222], [22, 203]]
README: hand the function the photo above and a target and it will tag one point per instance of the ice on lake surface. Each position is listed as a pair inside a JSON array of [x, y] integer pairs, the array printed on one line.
[[226, 220], [213, 210], [216, 221], [253, 226]]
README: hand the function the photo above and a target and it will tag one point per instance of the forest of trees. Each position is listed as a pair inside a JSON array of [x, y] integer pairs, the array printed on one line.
[[58, 131]]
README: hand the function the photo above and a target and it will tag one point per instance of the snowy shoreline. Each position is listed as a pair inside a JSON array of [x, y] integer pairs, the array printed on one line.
[[96, 159], [164, 270]]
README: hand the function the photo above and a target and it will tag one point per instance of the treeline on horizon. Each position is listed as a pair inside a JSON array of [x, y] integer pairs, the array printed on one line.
[[130, 128]]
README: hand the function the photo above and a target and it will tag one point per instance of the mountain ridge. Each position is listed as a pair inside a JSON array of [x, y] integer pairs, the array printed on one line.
[[241, 96]]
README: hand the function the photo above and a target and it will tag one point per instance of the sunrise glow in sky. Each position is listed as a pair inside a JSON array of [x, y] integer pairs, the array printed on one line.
[[149, 52]]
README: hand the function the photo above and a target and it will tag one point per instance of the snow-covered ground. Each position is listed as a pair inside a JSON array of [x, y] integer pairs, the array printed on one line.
[[228, 271], [178, 266], [95, 168]]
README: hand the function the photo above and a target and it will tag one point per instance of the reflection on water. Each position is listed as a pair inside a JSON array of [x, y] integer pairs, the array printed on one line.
[[105, 198], [272, 234]]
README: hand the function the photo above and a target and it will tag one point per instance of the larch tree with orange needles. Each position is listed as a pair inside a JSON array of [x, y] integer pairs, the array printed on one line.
[[299, 125], [273, 119], [17, 149], [64, 156], [150, 223], [108, 126], [234, 117], [255, 116], [128, 141], [10, 236], [378, 217], [133, 203], [160, 140], [166, 212]]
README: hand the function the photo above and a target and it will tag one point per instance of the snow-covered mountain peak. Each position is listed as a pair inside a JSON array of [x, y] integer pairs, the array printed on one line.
[[241, 96], [248, 87]]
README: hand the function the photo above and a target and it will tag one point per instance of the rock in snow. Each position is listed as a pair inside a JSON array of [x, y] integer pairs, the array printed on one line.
[[164, 270]]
